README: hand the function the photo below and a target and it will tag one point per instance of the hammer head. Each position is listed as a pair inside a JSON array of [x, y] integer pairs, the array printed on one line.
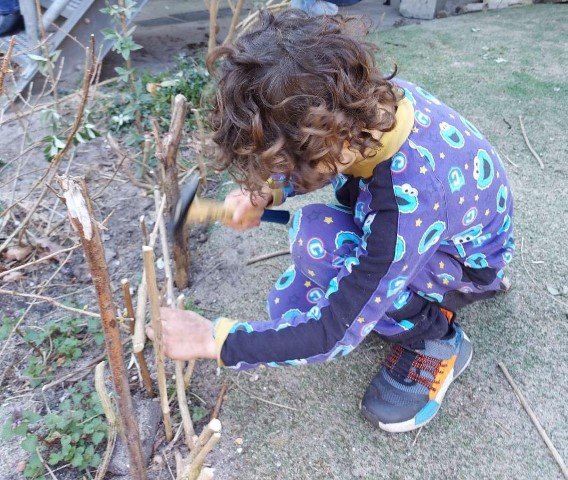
[[186, 197]]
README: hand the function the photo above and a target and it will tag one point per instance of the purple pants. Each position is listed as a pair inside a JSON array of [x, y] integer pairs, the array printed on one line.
[[317, 261]]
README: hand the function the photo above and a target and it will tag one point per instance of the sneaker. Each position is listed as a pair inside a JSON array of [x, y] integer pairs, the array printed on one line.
[[315, 7], [11, 24], [410, 386]]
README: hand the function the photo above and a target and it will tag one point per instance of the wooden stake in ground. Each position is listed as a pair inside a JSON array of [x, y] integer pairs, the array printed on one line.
[[166, 153], [144, 372], [74, 194], [154, 297]]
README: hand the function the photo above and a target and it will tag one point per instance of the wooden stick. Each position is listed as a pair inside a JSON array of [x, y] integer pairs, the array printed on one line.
[[110, 417], [220, 398], [535, 421], [139, 336], [75, 196], [260, 258], [535, 155], [213, 13], [213, 427], [234, 21], [5, 67], [206, 474], [154, 297], [195, 466], [144, 372]]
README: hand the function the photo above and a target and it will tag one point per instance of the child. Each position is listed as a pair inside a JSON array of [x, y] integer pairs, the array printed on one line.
[[422, 228]]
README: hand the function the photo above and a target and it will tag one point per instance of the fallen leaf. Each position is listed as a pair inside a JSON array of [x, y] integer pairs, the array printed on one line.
[[17, 253], [553, 290], [12, 277]]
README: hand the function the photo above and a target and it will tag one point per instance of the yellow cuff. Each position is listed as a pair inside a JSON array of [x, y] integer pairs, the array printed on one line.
[[221, 328], [277, 197]]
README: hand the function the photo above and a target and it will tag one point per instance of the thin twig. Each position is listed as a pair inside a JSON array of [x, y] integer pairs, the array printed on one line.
[[154, 297], [111, 419], [268, 255], [49, 300], [264, 400], [220, 399], [39, 260], [144, 372], [5, 67], [45, 464], [511, 161], [234, 21], [535, 421], [535, 155]]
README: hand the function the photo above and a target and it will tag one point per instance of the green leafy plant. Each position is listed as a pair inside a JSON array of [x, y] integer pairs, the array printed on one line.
[[68, 435], [56, 344]]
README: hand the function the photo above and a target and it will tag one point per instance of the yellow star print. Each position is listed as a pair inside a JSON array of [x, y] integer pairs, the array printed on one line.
[[361, 320], [487, 212], [328, 220], [462, 200], [311, 273], [418, 222], [429, 285], [300, 242], [467, 133], [377, 299], [442, 264], [277, 300], [423, 169], [442, 155], [436, 206], [307, 284], [415, 130], [445, 281], [466, 166], [476, 198], [405, 268]]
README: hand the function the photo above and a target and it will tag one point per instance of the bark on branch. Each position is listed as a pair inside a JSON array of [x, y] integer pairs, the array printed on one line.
[[74, 194]]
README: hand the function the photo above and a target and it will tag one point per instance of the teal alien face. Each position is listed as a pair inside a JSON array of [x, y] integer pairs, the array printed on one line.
[[477, 260], [286, 278], [431, 236], [406, 197], [399, 163], [400, 248], [451, 135], [401, 300], [467, 236], [315, 248], [422, 118], [368, 329], [314, 295], [428, 96], [502, 199], [506, 225], [483, 171], [290, 314], [295, 227], [408, 94], [344, 237], [471, 128], [424, 153], [396, 285], [456, 180], [481, 240]]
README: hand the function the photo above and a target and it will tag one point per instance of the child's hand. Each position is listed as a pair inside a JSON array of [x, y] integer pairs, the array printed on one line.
[[246, 215], [185, 335]]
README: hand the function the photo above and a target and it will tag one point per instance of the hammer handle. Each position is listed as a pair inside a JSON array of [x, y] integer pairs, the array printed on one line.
[[205, 210]]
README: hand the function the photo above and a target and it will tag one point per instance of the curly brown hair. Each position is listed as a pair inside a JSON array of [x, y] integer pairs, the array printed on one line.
[[292, 94]]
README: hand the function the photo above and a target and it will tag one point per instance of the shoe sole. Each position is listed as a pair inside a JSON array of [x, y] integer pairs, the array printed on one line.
[[426, 414]]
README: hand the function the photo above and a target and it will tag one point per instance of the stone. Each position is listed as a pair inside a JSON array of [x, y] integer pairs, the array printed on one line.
[[421, 9], [149, 416]]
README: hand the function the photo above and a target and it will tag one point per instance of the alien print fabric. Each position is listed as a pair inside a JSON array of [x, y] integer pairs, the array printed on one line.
[[431, 227]]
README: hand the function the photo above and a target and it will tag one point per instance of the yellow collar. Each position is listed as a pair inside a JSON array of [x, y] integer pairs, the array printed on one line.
[[390, 141]]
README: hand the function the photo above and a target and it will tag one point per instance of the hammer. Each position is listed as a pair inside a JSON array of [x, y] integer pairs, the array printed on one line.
[[192, 209]]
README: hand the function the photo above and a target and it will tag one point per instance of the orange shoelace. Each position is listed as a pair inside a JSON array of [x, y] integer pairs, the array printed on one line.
[[406, 364]]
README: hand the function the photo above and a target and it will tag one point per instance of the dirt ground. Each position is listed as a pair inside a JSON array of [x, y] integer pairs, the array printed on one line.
[[303, 423]]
